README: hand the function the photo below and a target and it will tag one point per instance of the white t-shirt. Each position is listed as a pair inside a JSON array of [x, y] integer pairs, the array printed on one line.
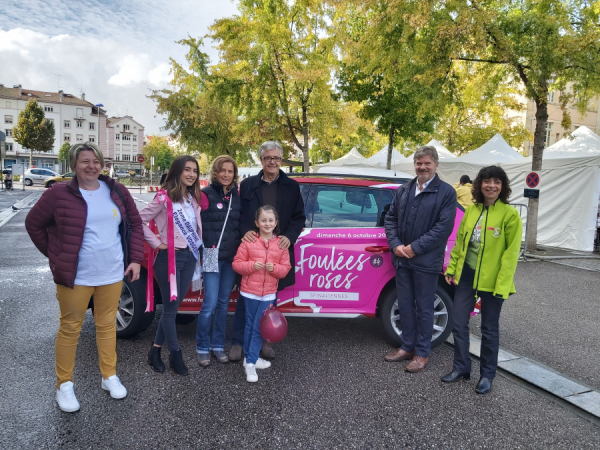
[[101, 255]]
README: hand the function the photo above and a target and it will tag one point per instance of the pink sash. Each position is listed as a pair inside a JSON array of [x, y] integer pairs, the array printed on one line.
[[162, 197]]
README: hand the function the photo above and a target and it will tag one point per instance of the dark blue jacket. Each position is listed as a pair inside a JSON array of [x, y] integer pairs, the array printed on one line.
[[213, 218], [430, 230], [290, 209]]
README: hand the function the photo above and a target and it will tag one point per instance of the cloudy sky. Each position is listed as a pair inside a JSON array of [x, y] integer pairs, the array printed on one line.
[[115, 51]]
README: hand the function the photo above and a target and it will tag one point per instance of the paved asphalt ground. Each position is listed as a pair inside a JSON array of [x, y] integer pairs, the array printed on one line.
[[328, 388]]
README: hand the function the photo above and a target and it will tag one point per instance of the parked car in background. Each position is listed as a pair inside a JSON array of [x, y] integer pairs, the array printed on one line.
[[38, 176], [50, 181], [121, 174], [343, 262]]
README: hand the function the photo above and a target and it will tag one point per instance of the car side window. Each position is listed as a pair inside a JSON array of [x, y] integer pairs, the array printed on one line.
[[305, 191], [345, 207], [385, 201], [36, 171]]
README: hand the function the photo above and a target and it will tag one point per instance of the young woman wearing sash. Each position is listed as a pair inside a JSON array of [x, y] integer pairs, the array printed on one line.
[[175, 214], [221, 235]]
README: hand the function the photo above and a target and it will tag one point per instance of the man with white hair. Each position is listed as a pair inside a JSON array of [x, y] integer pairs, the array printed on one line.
[[417, 226], [270, 187]]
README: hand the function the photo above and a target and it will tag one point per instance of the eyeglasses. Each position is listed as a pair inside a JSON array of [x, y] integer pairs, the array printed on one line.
[[276, 159]]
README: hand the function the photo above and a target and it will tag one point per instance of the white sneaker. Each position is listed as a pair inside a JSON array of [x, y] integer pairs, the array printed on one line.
[[114, 386], [260, 363], [65, 396], [251, 376]]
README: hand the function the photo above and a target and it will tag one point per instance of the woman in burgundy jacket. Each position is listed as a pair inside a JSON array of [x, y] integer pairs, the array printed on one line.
[[81, 226]]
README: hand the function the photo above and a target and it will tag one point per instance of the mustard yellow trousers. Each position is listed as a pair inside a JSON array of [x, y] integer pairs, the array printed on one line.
[[73, 304]]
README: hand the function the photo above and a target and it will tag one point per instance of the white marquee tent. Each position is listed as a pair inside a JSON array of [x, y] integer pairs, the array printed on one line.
[[496, 150], [352, 158], [443, 152], [379, 159], [582, 142]]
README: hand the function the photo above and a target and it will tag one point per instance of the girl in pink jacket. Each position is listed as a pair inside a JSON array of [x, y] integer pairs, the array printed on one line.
[[261, 264]]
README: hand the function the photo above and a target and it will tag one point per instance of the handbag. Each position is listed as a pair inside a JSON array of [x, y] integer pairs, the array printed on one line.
[[210, 256]]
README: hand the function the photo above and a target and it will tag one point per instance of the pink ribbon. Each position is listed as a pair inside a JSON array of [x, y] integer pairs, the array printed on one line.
[[162, 197]]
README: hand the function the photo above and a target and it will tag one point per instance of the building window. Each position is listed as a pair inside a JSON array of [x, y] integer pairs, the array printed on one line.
[[50, 120], [548, 137], [117, 157], [8, 119], [79, 113], [8, 105], [8, 132], [126, 157], [134, 138], [79, 124], [126, 137], [67, 137], [125, 127], [117, 136], [67, 124], [8, 147], [46, 108], [80, 138], [92, 126], [92, 138], [48, 165], [551, 97]]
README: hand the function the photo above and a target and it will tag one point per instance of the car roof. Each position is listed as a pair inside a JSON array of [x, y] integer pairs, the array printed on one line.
[[348, 180]]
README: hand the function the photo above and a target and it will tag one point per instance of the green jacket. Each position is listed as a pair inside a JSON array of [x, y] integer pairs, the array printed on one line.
[[499, 252]]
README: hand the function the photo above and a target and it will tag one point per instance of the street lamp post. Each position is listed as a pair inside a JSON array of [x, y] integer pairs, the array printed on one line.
[[98, 105]]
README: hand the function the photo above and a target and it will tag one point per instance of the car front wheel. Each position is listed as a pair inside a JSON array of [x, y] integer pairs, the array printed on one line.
[[50, 183], [131, 316], [442, 317]]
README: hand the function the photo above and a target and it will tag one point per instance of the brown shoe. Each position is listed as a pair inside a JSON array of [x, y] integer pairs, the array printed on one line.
[[399, 355], [417, 364], [267, 351]]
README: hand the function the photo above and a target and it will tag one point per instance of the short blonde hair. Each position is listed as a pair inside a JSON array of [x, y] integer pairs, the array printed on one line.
[[78, 148], [217, 165]]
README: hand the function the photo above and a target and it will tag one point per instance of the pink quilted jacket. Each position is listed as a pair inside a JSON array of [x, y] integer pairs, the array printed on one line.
[[261, 282]]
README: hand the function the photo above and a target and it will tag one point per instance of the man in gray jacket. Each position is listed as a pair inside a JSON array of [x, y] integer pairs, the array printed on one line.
[[417, 227]]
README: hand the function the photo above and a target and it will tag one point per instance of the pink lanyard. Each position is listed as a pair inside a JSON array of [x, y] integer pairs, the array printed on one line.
[[162, 197]]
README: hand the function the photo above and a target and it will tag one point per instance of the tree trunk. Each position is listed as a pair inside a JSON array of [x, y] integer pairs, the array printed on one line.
[[305, 157], [390, 149], [539, 140]]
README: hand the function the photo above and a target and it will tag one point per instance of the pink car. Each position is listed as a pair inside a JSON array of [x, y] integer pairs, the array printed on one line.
[[343, 262]]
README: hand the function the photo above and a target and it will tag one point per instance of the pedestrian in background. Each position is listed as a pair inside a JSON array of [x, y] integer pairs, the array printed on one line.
[[220, 229], [81, 226], [464, 191], [417, 227], [262, 263], [176, 213], [483, 264]]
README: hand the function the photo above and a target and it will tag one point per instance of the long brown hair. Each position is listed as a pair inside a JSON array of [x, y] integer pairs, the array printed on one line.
[[172, 183]]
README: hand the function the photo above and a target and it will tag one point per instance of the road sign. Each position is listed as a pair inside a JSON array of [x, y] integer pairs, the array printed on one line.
[[531, 193], [140, 158], [532, 180]]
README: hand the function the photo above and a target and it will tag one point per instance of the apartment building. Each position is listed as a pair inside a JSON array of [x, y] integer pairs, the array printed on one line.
[[554, 129], [75, 120], [125, 141]]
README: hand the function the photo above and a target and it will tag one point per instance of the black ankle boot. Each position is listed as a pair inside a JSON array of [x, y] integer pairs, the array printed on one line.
[[154, 359], [177, 364]]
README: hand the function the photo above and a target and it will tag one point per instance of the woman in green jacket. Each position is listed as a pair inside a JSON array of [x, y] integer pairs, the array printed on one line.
[[483, 264]]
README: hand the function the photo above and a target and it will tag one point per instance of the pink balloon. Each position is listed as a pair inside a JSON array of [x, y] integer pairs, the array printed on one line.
[[273, 326]]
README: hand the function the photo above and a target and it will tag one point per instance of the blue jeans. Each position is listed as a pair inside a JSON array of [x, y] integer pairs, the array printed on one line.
[[239, 322], [252, 338], [217, 289], [185, 263]]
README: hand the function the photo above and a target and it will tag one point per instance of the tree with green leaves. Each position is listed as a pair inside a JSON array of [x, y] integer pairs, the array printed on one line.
[[540, 43], [485, 102], [63, 153], [33, 131], [159, 149], [202, 123], [276, 63]]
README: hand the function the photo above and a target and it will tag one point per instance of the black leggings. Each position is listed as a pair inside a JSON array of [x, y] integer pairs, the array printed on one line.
[[185, 263]]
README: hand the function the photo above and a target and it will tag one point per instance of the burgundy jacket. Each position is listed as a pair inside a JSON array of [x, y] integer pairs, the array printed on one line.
[[57, 221]]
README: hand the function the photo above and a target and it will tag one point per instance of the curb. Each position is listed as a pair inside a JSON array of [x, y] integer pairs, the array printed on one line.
[[9, 213], [541, 376], [555, 258]]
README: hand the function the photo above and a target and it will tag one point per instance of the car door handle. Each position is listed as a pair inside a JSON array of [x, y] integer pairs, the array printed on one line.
[[377, 248]]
